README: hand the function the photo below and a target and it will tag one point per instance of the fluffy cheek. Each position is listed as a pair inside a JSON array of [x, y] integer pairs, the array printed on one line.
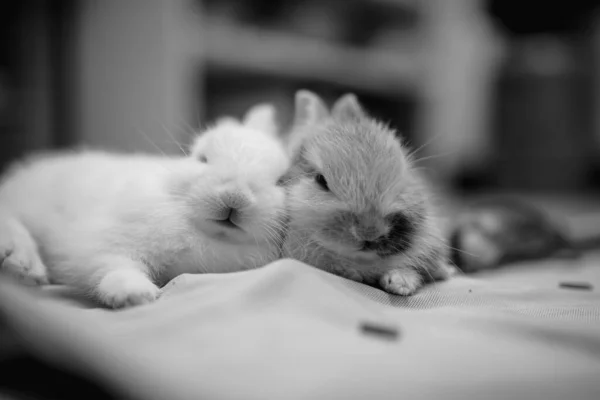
[[190, 191], [339, 230], [266, 217], [315, 212]]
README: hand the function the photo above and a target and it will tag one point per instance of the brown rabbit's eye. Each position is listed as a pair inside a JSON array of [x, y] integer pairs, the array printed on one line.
[[321, 181], [202, 158]]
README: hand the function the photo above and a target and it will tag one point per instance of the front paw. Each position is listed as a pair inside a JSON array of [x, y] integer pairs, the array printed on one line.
[[24, 265], [124, 288], [19, 256], [403, 282]]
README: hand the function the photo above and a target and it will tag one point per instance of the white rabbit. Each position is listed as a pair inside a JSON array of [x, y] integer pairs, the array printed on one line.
[[118, 226]]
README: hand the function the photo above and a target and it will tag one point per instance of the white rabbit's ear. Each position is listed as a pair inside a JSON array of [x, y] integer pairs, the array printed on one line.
[[262, 117], [347, 107], [309, 108], [227, 120]]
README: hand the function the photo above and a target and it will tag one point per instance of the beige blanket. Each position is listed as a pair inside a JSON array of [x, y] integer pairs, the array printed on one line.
[[289, 331]]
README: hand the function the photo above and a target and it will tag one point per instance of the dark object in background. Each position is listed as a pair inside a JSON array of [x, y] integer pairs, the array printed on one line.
[[541, 16], [543, 129], [544, 124], [499, 230], [353, 22], [36, 76]]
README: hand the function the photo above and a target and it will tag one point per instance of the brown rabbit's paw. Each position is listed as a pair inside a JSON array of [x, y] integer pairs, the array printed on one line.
[[403, 282]]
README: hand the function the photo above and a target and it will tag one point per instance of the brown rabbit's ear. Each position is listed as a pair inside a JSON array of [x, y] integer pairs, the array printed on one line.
[[347, 107], [309, 108], [262, 117]]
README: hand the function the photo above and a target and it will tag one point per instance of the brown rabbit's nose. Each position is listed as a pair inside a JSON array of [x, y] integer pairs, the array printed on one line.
[[369, 232]]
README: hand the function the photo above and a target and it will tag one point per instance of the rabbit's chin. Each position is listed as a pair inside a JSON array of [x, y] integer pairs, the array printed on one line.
[[347, 250]]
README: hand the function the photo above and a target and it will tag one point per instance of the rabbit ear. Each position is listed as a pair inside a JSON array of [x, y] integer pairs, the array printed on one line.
[[309, 108], [347, 107], [261, 117], [227, 120]]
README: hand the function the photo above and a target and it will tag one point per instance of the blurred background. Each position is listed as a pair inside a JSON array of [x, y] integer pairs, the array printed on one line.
[[498, 95]]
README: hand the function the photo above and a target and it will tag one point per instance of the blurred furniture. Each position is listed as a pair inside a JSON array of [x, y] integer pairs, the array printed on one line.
[[543, 124], [32, 68], [142, 74], [139, 75], [138, 72], [461, 57]]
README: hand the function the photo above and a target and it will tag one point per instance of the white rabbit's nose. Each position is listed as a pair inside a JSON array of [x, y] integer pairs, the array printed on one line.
[[236, 199], [228, 217]]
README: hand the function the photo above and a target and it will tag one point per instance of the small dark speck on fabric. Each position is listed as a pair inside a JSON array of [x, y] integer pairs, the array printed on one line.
[[383, 332], [576, 285]]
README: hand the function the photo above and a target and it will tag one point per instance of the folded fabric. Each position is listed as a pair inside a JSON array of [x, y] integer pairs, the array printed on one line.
[[290, 331]]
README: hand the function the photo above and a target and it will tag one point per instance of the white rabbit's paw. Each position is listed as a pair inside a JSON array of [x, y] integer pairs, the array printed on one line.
[[125, 288], [19, 256]]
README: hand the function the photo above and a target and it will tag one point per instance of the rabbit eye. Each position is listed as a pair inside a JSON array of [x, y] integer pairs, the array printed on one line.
[[321, 181], [202, 158]]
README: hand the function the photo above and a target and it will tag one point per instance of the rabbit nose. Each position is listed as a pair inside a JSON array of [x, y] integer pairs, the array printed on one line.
[[227, 217], [236, 200], [369, 232]]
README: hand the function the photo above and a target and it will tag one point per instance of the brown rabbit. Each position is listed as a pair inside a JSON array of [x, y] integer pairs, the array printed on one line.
[[357, 206]]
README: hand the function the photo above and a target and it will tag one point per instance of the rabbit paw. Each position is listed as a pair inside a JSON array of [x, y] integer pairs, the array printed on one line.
[[19, 256], [126, 288], [403, 282]]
